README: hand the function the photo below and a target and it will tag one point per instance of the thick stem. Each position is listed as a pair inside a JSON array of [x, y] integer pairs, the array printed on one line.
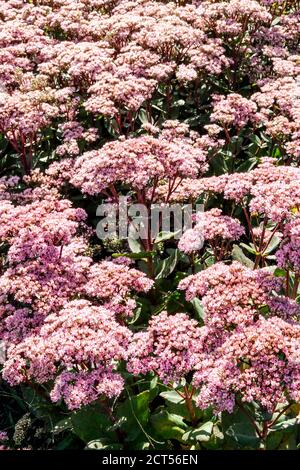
[[280, 414], [261, 243], [287, 283], [192, 258], [295, 286], [150, 268], [250, 227], [189, 404]]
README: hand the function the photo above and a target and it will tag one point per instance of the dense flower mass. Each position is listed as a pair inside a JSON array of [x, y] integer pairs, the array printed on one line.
[[234, 110], [82, 337], [82, 388], [143, 161], [231, 295], [168, 346], [260, 363], [174, 331], [211, 226], [289, 251]]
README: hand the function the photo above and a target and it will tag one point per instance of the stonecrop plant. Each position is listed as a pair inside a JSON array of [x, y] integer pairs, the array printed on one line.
[[168, 339]]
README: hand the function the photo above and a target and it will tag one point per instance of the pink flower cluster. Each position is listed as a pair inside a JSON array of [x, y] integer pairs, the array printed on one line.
[[233, 111], [112, 58], [288, 255], [79, 347], [232, 294], [212, 226], [82, 388], [269, 190], [3, 436], [168, 346], [113, 283], [142, 161], [260, 363], [279, 104], [22, 116], [48, 263]]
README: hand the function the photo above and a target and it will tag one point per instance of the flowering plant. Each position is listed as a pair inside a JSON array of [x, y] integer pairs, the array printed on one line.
[[173, 339]]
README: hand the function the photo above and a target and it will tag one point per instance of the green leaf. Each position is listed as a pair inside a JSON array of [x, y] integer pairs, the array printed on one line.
[[249, 248], [112, 127], [239, 431], [103, 444], [134, 244], [264, 309], [168, 425], [176, 405], [273, 440], [276, 20], [67, 443], [285, 426], [163, 236], [180, 409], [210, 261], [279, 272], [196, 303], [136, 412], [63, 425], [143, 116], [247, 165], [153, 388], [273, 244], [142, 255], [289, 442], [238, 255], [140, 444], [40, 406], [91, 423], [179, 103], [172, 397], [167, 266], [201, 434]]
